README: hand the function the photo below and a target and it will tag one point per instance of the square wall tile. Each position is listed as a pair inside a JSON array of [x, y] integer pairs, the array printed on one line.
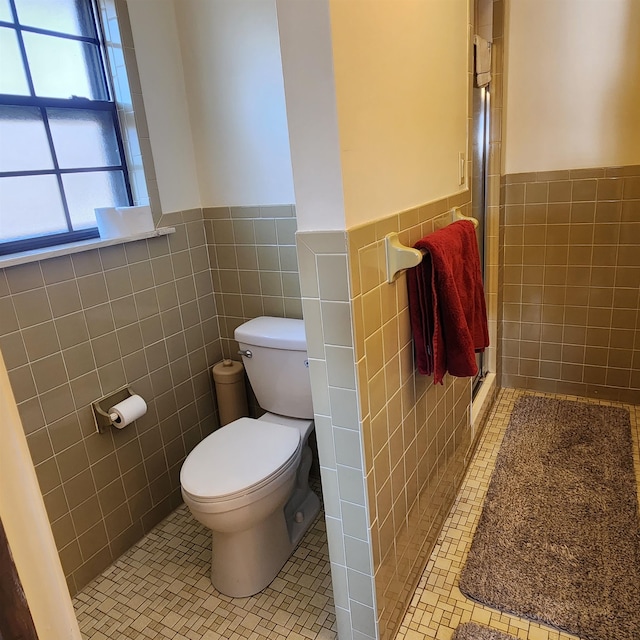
[[580, 278]]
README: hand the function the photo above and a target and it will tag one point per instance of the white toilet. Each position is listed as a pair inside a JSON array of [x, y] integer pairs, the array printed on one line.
[[248, 481]]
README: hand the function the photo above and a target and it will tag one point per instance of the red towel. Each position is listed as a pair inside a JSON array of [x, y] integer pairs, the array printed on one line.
[[446, 303]]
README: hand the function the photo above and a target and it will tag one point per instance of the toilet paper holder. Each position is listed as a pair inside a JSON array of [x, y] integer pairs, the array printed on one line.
[[100, 407]]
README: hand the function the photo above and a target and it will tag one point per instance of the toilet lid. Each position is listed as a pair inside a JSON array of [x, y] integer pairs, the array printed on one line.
[[237, 457]]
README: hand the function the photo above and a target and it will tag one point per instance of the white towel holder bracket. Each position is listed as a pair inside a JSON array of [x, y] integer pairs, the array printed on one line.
[[400, 257], [456, 215]]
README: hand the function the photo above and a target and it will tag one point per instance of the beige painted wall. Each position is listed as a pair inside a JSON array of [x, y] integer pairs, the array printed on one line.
[[212, 81], [155, 36], [401, 88], [305, 45], [573, 84], [394, 77], [233, 78], [211, 73]]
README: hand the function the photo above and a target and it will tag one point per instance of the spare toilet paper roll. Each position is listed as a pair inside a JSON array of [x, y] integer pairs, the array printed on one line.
[[127, 411]]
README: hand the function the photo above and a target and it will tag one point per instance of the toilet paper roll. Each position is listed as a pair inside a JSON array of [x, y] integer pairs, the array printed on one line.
[[127, 411]]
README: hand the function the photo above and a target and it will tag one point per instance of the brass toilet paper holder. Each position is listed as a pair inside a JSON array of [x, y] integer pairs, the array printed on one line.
[[100, 407]]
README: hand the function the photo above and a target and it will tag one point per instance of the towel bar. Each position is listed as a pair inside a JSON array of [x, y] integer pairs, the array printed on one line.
[[400, 257], [456, 215]]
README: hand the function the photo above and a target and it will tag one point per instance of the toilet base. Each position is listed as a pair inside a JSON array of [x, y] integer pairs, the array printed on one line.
[[309, 509], [303, 506], [244, 563]]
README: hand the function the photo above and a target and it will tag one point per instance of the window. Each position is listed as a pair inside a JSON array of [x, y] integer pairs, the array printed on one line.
[[61, 151]]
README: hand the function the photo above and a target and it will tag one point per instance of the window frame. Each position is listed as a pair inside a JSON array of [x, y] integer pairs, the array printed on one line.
[[108, 105]]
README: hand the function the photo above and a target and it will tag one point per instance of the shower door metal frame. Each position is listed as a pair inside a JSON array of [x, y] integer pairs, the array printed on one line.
[[479, 181]]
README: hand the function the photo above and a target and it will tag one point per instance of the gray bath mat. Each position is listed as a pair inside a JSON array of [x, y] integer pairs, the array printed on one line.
[[474, 631], [558, 540]]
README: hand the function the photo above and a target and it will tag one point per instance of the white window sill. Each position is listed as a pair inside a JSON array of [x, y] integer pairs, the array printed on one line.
[[13, 259]]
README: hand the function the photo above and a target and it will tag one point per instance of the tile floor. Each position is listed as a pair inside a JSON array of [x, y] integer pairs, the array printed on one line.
[[438, 606], [161, 589]]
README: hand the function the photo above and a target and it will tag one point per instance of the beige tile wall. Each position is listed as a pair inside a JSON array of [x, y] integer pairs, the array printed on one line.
[[392, 445], [74, 329], [324, 280], [571, 271], [415, 434], [254, 264]]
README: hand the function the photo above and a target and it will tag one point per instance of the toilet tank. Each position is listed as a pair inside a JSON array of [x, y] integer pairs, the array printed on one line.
[[278, 368]]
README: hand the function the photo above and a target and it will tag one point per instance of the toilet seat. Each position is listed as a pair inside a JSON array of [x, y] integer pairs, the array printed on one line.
[[239, 459]]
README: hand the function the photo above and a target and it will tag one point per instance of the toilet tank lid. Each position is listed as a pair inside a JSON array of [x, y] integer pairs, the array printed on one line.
[[277, 333]]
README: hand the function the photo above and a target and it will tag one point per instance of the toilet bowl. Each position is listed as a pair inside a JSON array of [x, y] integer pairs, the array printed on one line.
[[248, 481]]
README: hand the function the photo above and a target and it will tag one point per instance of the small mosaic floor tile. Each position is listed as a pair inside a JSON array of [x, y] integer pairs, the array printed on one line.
[[161, 588], [438, 606]]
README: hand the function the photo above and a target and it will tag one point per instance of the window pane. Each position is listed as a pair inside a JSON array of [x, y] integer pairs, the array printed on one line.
[[12, 77], [65, 16], [63, 68], [83, 138], [30, 206], [23, 140], [5, 11], [88, 191]]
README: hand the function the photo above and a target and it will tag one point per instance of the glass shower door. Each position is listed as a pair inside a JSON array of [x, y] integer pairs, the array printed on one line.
[[479, 173]]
